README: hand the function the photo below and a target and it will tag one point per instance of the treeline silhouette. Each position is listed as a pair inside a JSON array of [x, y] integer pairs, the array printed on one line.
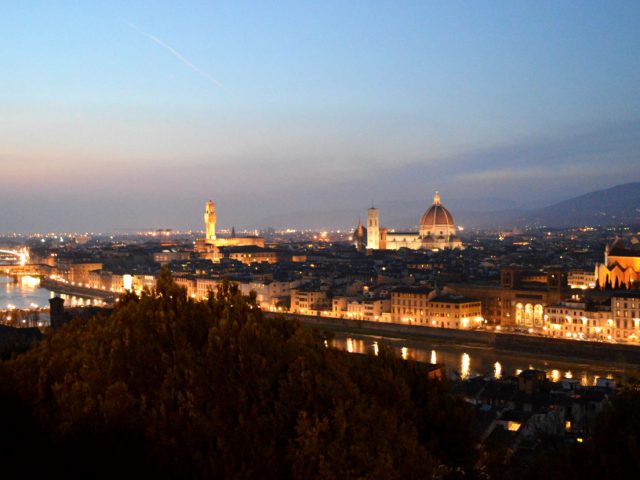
[[169, 387]]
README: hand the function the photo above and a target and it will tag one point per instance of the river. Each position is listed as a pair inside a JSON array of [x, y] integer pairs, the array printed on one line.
[[464, 361], [26, 294]]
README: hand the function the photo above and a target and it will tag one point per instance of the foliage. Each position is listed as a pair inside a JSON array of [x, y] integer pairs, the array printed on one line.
[[172, 387]]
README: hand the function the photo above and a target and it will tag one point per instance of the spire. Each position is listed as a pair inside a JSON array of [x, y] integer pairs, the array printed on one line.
[[436, 199]]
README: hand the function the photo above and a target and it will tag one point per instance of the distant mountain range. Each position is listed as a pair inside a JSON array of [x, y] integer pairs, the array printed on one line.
[[611, 206]]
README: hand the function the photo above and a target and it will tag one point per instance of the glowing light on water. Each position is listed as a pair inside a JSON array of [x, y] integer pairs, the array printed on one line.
[[375, 348], [434, 358], [497, 370], [465, 366], [350, 345], [29, 281], [405, 353]]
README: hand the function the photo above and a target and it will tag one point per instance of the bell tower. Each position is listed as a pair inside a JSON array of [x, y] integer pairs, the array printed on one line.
[[373, 229], [210, 221]]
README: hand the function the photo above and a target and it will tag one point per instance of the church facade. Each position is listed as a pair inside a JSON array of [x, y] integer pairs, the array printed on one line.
[[437, 231], [621, 267]]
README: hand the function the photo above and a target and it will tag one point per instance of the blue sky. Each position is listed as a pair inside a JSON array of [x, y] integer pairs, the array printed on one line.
[[119, 114]]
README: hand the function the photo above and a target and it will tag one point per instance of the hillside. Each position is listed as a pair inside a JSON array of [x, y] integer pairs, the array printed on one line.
[[612, 206]]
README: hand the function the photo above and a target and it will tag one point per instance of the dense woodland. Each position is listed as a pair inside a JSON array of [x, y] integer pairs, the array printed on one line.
[[173, 388]]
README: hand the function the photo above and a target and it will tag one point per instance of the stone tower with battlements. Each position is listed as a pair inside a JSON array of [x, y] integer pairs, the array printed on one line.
[[210, 222]]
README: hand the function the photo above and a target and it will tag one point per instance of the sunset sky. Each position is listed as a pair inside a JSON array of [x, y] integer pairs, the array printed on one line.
[[131, 114]]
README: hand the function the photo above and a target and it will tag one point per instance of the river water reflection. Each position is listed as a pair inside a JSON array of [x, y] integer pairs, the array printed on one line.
[[22, 294], [464, 361], [26, 293]]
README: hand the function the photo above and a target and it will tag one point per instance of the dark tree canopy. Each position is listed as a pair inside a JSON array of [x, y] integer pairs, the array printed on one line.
[[172, 387]]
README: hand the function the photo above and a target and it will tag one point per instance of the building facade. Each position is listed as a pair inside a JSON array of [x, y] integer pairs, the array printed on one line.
[[424, 306], [520, 297], [621, 267]]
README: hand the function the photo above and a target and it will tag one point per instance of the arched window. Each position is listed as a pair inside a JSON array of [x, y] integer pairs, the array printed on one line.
[[519, 314], [528, 314], [538, 315]]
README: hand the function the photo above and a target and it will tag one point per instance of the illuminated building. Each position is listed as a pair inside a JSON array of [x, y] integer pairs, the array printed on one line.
[[167, 256], [409, 304], [269, 293], [454, 311], [424, 306], [210, 218], [625, 307], [210, 244], [581, 279], [205, 285], [188, 283], [373, 229], [252, 254], [437, 231], [617, 321], [520, 297], [77, 273], [621, 267], [577, 321], [358, 308], [308, 300]]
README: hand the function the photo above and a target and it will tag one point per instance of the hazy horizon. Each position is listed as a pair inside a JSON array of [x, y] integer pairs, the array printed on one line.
[[119, 115]]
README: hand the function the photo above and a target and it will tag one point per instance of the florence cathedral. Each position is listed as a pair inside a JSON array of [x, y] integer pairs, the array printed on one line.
[[437, 231]]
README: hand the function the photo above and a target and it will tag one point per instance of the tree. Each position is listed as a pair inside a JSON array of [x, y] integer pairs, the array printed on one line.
[[173, 387]]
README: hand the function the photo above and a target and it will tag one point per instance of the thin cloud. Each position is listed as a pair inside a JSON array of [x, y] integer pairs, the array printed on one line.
[[178, 55]]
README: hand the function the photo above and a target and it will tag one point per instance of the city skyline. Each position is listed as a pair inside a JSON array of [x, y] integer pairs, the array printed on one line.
[[151, 108], [312, 240]]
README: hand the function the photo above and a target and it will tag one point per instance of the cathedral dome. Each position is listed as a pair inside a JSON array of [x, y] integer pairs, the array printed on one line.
[[436, 216]]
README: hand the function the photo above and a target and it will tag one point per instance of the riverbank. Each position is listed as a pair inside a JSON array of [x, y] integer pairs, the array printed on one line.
[[575, 350]]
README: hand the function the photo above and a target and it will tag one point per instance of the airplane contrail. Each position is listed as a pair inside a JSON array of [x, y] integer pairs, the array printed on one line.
[[177, 54]]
